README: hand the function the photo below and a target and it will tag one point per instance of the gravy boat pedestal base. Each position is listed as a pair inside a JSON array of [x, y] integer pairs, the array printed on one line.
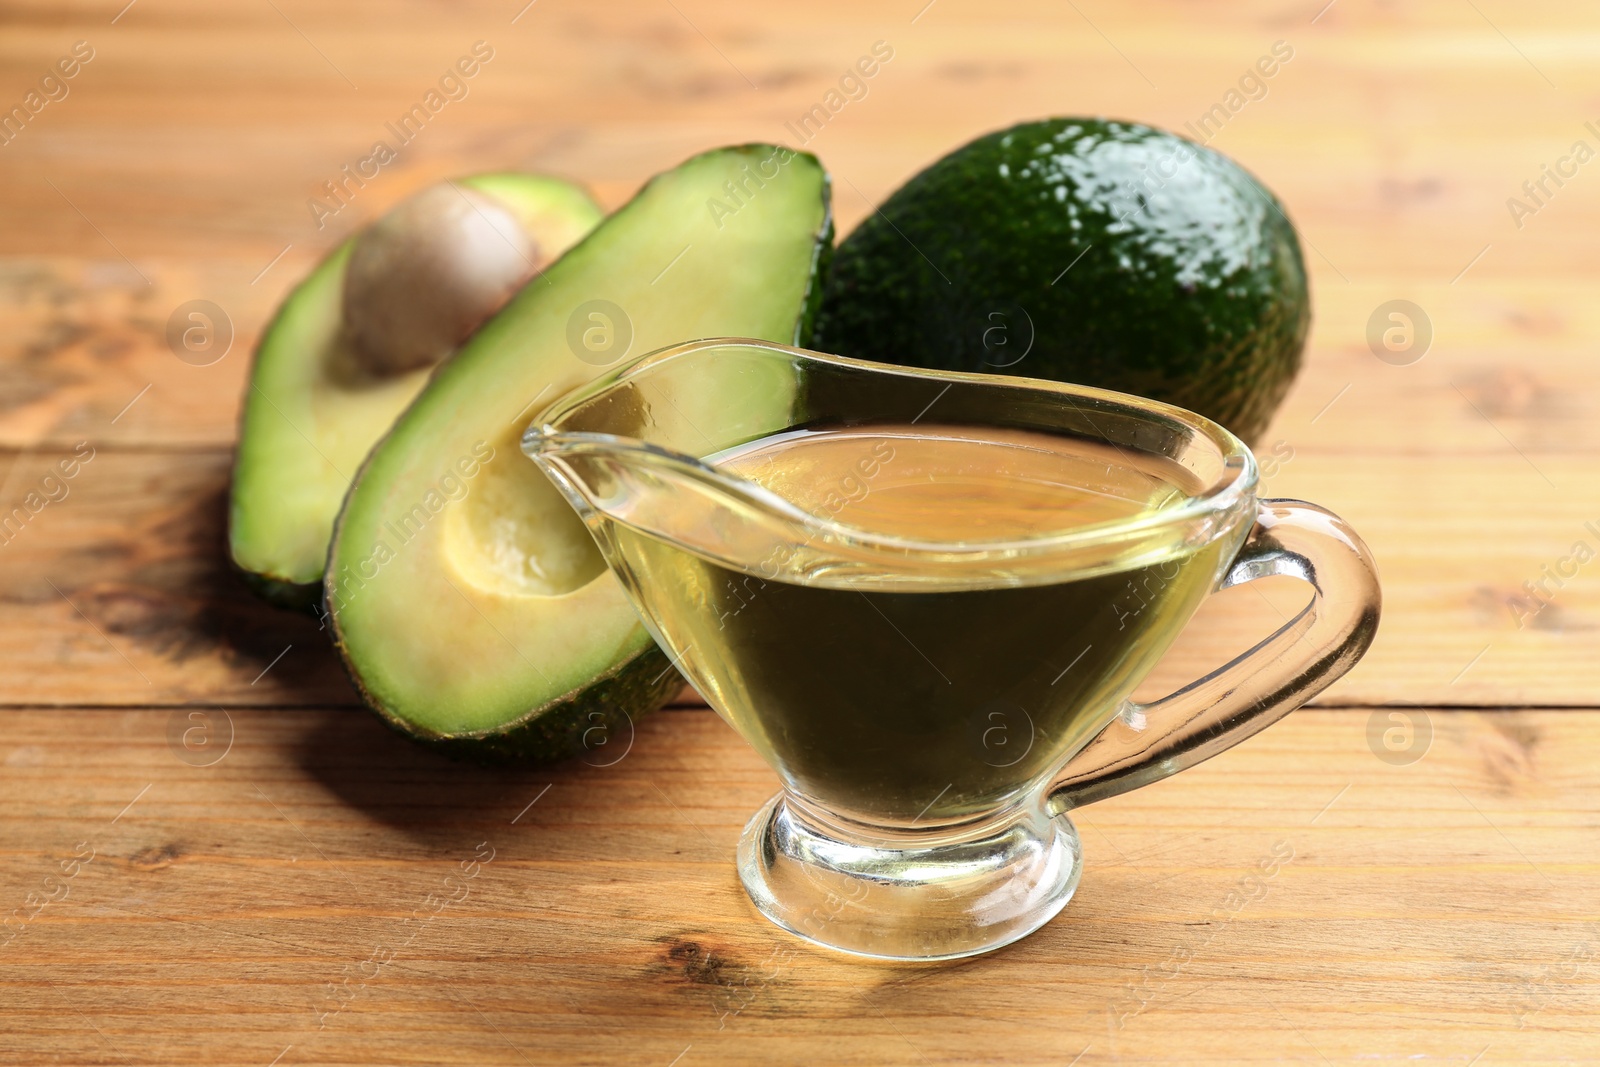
[[909, 894]]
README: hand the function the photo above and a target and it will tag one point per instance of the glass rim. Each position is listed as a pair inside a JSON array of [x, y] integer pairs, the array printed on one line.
[[1233, 488]]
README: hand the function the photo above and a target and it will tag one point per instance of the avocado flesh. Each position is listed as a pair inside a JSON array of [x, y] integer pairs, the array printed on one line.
[[1128, 258], [482, 617], [311, 415]]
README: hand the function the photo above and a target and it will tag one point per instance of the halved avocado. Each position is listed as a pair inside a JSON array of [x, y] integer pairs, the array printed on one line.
[[467, 598], [319, 399]]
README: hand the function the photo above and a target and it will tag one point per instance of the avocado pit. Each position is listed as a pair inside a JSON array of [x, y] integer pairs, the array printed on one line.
[[425, 276]]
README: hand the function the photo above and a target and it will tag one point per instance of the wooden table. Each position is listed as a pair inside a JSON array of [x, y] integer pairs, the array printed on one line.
[[287, 901]]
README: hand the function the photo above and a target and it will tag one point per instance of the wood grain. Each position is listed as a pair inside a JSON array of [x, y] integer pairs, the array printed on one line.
[[1433, 911], [1430, 910], [120, 593]]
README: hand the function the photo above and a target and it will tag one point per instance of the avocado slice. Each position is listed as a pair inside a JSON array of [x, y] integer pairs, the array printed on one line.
[[1102, 253], [467, 598], [319, 398]]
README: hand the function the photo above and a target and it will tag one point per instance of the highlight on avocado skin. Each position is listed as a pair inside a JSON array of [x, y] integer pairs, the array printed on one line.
[[1112, 254]]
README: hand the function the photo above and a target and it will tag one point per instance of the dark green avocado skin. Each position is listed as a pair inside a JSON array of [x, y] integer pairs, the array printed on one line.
[[598, 727], [1186, 282]]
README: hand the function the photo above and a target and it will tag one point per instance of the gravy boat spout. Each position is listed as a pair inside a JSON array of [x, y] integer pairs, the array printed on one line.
[[629, 451], [673, 497]]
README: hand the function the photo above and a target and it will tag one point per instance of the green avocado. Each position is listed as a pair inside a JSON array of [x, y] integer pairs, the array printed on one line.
[[1107, 254], [468, 600], [327, 383]]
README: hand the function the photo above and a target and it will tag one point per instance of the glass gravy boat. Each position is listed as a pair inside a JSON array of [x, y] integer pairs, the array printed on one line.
[[921, 820]]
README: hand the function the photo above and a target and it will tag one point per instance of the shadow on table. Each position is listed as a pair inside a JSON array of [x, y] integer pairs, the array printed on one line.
[[413, 788], [162, 581]]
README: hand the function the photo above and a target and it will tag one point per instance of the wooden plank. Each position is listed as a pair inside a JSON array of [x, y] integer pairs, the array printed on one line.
[[85, 352], [1431, 910], [120, 593], [123, 588], [1395, 201], [84, 340], [168, 172]]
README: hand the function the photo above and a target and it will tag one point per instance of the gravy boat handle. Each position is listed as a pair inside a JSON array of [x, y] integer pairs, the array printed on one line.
[[1148, 742]]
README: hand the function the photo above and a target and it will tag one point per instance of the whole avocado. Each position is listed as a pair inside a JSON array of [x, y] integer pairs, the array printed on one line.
[[1102, 253]]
